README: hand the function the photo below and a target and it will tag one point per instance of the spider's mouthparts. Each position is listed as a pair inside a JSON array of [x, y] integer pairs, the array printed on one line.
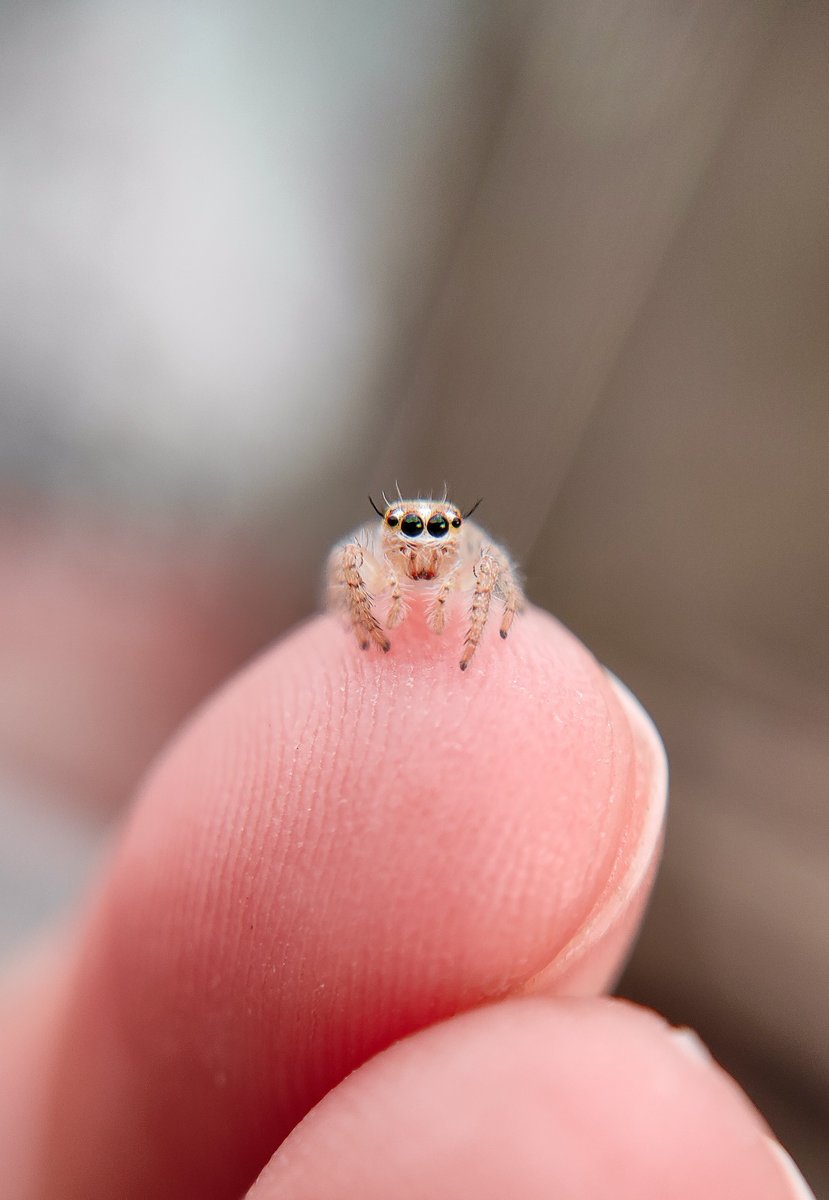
[[423, 563]]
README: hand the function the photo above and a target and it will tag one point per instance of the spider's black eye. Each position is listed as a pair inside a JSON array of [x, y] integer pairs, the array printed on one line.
[[411, 525], [392, 520], [456, 522], [437, 525]]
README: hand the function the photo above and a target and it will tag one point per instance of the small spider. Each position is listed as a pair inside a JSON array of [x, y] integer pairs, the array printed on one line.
[[427, 546]]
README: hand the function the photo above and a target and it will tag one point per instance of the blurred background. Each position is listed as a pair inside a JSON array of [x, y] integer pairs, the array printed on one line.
[[259, 259]]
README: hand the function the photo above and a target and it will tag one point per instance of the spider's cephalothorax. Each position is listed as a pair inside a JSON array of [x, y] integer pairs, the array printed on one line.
[[421, 543], [422, 539]]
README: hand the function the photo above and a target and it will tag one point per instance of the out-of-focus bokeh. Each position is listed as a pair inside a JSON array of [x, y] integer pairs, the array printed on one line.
[[257, 259]]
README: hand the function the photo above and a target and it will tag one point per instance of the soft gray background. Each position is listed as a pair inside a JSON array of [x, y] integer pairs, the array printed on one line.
[[258, 259]]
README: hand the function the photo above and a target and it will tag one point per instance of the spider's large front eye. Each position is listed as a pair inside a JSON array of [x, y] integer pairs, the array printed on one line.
[[411, 525], [437, 525]]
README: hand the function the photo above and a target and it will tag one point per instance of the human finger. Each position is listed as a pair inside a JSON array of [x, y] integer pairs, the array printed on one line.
[[340, 849], [578, 1099]]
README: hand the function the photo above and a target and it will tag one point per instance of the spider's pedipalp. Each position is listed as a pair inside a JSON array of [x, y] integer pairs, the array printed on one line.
[[436, 612]]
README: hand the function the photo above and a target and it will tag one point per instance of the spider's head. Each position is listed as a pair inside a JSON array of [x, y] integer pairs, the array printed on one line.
[[425, 533]]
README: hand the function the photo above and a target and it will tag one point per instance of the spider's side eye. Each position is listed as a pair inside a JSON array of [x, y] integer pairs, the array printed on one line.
[[456, 522], [392, 520], [411, 525], [437, 525]]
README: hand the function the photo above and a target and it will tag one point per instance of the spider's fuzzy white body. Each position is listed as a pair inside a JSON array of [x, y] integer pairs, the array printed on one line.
[[420, 544]]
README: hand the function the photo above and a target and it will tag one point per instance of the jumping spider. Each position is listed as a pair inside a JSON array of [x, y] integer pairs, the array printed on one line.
[[423, 545]]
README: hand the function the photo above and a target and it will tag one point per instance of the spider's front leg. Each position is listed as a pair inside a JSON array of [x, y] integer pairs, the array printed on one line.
[[493, 573], [510, 591], [348, 590], [486, 572]]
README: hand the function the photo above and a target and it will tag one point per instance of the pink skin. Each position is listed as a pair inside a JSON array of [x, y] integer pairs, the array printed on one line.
[[578, 1099], [343, 849]]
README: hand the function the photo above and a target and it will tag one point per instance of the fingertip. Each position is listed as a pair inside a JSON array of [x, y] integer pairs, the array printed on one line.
[[594, 957], [338, 850], [534, 1098]]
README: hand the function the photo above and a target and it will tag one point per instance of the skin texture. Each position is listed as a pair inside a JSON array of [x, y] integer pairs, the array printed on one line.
[[532, 1099], [343, 849]]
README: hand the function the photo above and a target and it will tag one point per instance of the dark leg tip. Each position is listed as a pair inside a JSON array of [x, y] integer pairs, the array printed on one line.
[[504, 633], [386, 647], [464, 665]]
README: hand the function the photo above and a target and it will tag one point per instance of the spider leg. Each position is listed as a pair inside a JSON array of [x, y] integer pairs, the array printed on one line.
[[486, 571], [348, 590], [509, 589], [397, 608], [436, 615]]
